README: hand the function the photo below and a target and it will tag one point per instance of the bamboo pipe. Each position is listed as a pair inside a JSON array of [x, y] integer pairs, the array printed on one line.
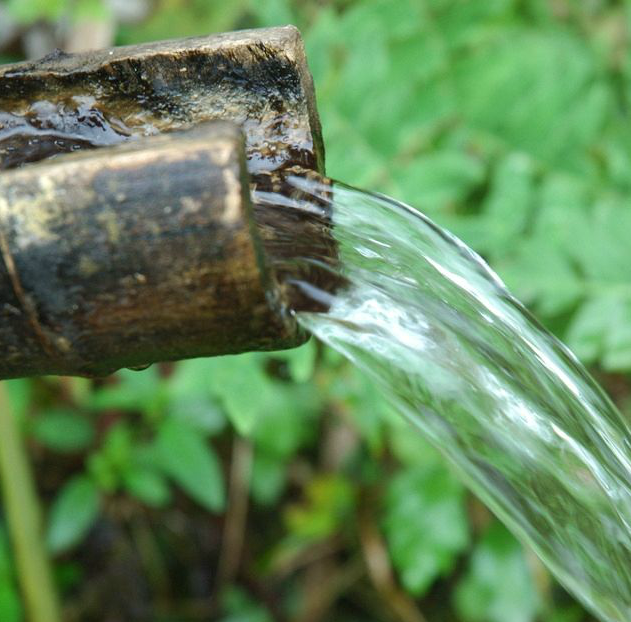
[[258, 79], [124, 256], [147, 251]]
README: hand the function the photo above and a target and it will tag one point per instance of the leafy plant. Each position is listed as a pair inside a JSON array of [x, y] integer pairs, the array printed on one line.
[[498, 584]]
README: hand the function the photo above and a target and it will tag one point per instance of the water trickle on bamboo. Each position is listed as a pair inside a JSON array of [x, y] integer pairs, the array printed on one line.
[[510, 407]]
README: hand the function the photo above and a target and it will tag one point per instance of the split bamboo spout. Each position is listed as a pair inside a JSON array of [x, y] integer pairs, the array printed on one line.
[[143, 246]]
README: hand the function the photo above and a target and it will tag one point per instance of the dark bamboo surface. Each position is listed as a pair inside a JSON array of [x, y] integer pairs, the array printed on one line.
[[148, 251], [258, 79], [150, 257]]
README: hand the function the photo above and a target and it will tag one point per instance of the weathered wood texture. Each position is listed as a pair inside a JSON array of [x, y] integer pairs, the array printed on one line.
[[257, 78], [125, 256], [147, 251]]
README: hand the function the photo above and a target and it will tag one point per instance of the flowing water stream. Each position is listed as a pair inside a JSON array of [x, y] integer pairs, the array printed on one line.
[[506, 403]]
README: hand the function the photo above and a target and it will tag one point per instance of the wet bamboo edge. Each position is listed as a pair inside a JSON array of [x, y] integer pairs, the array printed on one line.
[[100, 270], [124, 256]]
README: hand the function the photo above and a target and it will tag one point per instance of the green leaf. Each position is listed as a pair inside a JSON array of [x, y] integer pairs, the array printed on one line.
[[364, 402], [273, 413], [571, 613], [300, 361], [72, 514], [438, 181], [190, 399], [148, 486], [91, 10], [328, 503], [602, 329], [185, 18], [134, 390], [273, 12], [425, 525], [546, 103], [118, 446], [599, 244], [268, 477], [32, 10], [498, 585], [189, 460], [541, 274], [509, 204], [63, 430], [239, 607], [243, 388]]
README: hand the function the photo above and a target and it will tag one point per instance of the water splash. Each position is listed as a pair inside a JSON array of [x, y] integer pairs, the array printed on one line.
[[509, 406]]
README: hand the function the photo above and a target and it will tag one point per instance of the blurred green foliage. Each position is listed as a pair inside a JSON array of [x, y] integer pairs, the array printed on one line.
[[506, 121]]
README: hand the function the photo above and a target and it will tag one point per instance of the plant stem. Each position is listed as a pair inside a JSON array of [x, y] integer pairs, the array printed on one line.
[[22, 511]]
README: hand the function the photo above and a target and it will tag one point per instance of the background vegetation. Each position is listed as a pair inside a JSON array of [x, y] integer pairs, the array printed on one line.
[[269, 488]]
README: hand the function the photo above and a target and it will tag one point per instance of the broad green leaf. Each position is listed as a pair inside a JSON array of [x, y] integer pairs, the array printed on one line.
[[239, 607], [189, 460], [190, 398], [91, 10], [300, 361], [541, 275], [349, 154], [439, 181], [72, 514], [509, 204], [118, 445], [268, 477], [425, 525], [397, 18], [328, 503], [27, 11], [498, 585], [273, 12], [364, 402], [599, 245], [289, 419], [617, 156], [545, 102], [465, 23], [602, 329], [572, 613], [412, 450], [271, 412], [185, 18], [243, 389], [134, 390], [63, 430], [148, 486]]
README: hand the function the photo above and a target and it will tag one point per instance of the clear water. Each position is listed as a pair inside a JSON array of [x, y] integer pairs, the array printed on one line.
[[506, 403]]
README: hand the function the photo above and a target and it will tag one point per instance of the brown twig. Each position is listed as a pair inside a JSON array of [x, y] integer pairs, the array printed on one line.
[[236, 514], [380, 570], [323, 583]]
